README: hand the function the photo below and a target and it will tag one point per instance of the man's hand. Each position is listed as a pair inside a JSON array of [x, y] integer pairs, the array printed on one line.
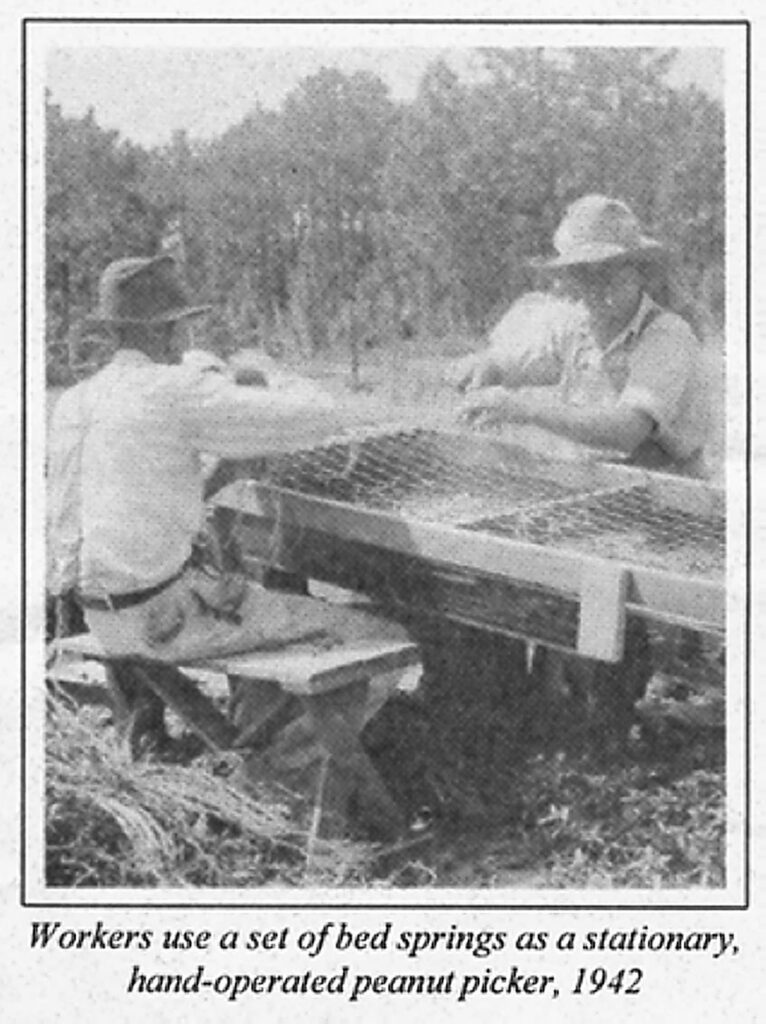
[[250, 366], [612, 426], [492, 406], [476, 370], [203, 360], [460, 372]]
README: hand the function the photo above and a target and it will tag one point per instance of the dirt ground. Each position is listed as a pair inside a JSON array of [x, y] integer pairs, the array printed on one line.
[[519, 778]]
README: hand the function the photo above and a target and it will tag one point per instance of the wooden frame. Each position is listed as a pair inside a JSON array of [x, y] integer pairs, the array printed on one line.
[[286, 515]]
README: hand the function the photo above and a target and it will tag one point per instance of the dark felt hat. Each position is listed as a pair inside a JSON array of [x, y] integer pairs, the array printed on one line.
[[141, 291]]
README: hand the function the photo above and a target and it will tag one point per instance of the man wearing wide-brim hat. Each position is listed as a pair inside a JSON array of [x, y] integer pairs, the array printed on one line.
[[628, 370], [125, 483]]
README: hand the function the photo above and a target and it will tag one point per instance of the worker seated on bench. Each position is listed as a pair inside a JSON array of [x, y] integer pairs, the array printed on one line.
[[126, 484]]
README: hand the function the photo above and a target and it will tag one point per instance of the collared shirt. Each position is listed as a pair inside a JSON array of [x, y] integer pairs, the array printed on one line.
[[125, 477], [653, 366]]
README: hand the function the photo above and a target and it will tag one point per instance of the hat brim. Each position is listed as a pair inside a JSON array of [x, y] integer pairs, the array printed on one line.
[[171, 317], [649, 249]]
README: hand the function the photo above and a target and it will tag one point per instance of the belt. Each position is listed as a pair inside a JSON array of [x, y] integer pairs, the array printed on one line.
[[118, 602]]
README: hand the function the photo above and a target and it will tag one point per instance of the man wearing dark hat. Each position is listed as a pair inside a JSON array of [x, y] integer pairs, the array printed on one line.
[[126, 483], [628, 370]]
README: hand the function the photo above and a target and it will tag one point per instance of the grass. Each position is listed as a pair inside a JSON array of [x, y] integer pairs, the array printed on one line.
[[631, 827], [577, 829], [648, 822], [113, 822]]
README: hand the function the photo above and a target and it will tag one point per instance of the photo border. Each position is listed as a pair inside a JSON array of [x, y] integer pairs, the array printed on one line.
[[330, 903]]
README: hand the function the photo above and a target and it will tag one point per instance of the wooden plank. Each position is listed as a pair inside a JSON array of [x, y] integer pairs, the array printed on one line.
[[673, 598], [448, 545], [562, 572], [694, 497], [83, 645], [405, 585], [602, 613], [302, 670], [310, 671], [82, 691]]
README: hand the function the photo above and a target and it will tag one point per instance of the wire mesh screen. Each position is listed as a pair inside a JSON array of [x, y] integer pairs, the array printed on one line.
[[628, 525], [425, 475], [414, 473]]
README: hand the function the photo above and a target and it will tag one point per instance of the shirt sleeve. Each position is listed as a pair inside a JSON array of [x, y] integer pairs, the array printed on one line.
[[661, 367], [234, 421], [64, 493], [526, 348]]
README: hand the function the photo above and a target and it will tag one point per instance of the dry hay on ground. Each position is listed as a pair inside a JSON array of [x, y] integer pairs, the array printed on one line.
[[489, 760], [114, 822]]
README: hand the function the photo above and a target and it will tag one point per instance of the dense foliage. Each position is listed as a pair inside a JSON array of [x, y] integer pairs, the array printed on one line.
[[346, 217]]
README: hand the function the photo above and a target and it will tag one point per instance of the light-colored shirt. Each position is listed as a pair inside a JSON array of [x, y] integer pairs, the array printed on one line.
[[654, 366], [125, 480]]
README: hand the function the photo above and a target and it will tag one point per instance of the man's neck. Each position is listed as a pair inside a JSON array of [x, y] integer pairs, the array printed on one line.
[[608, 328]]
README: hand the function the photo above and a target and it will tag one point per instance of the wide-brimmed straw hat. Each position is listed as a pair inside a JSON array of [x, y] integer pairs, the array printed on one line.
[[597, 229], [141, 291]]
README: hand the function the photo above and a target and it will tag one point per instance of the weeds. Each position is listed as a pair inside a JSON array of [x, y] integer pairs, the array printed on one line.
[[630, 828], [552, 820], [114, 822]]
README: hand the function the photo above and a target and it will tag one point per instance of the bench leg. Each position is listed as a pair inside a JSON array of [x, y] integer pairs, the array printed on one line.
[[258, 709], [138, 713], [337, 718], [195, 709]]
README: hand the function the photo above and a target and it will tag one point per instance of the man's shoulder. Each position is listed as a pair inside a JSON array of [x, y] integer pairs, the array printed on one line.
[[665, 327], [69, 400]]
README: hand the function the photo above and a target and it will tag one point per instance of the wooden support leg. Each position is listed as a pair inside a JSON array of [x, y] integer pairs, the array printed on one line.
[[258, 709], [597, 699], [337, 717], [195, 709], [138, 713], [615, 689]]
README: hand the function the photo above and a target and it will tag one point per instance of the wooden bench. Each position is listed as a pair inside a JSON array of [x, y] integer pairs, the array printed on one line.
[[335, 692]]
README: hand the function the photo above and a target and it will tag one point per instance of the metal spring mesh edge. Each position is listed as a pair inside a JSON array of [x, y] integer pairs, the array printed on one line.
[[413, 473]]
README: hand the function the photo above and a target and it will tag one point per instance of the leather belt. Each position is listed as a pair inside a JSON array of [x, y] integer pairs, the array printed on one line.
[[118, 602]]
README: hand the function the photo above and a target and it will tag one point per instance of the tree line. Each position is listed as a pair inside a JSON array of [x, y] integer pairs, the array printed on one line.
[[346, 217]]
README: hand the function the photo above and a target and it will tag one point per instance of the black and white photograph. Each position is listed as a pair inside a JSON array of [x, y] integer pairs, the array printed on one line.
[[389, 615], [385, 462]]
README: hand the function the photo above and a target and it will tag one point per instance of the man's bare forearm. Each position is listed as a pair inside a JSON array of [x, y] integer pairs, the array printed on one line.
[[613, 426]]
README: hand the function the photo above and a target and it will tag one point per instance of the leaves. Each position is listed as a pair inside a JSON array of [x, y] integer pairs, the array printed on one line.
[[344, 206]]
